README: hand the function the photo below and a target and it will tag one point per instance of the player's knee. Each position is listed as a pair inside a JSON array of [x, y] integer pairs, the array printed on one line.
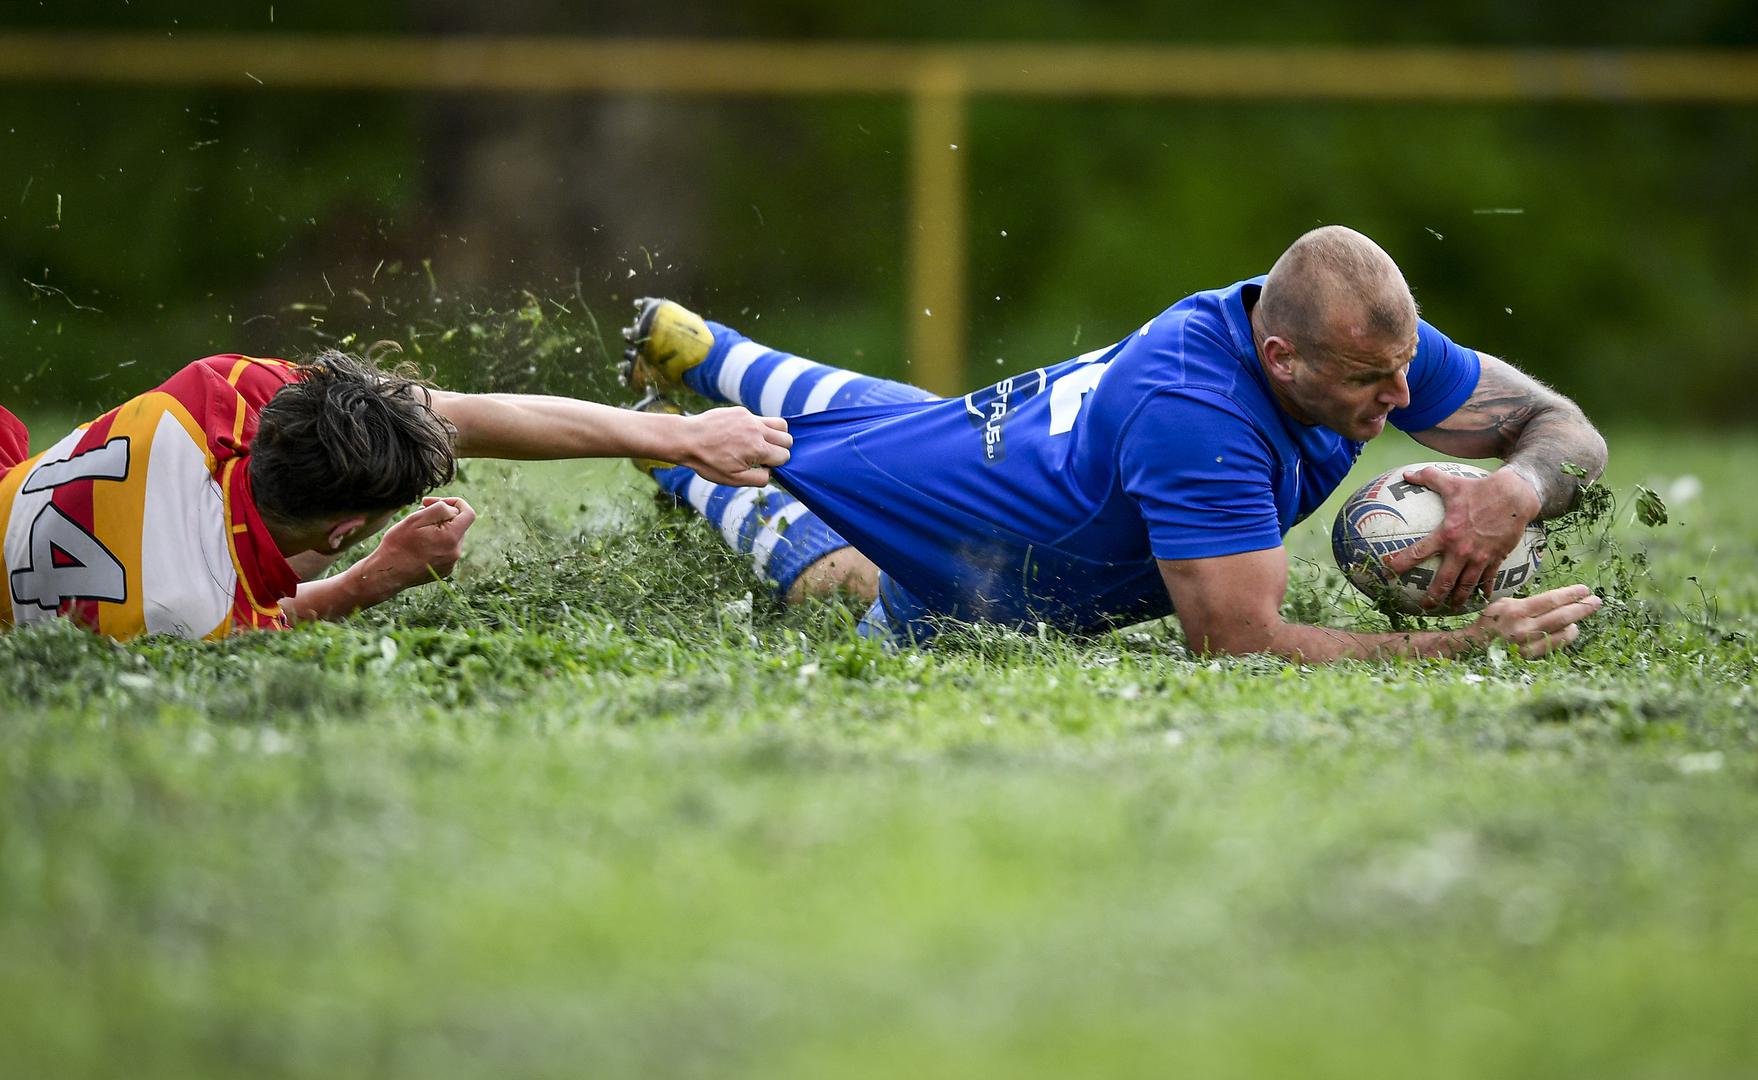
[[844, 570]]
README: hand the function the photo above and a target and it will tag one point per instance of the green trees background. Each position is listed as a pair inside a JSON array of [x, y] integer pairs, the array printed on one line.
[[1605, 247]]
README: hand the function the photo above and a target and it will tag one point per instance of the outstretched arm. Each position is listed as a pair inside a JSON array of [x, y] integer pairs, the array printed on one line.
[[1536, 431], [1231, 605], [727, 446]]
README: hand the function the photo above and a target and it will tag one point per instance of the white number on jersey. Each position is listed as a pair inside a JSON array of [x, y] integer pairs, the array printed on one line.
[[66, 562], [1069, 392], [107, 462]]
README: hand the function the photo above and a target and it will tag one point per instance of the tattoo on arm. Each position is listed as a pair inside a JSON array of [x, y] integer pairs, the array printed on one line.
[[1531, 427], [1500, 407]]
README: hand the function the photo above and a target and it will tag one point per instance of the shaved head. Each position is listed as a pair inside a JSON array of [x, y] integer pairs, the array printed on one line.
[[1335, 290]]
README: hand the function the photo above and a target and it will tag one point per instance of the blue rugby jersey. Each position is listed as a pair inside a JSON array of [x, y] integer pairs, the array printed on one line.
[[1049, 495]]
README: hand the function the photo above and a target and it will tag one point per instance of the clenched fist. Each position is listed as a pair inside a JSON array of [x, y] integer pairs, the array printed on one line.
[[423, 546]]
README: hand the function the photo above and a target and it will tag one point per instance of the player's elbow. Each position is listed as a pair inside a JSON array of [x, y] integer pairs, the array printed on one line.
[[461, 413], [1584, 445], [1225, 635], [1596, 452]]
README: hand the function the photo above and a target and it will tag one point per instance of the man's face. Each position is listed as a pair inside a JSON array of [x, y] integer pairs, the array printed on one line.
[[1352, 389]]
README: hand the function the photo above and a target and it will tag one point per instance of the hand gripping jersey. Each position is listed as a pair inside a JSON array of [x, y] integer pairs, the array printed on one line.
[[142, 522], [1050, 495]]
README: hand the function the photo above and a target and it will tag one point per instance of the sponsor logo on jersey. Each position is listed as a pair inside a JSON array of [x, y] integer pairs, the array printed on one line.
[[990, 408]]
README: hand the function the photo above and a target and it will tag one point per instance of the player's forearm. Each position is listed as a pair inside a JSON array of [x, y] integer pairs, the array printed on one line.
[[1556, 436], [1532, 428], [532, 427], [1306, 644], [361, 586]]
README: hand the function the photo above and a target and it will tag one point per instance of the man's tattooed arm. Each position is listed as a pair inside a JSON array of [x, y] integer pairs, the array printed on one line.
[[1531, 427]]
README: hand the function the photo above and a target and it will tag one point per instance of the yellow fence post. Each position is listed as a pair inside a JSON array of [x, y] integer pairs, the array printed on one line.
[[937, 228]]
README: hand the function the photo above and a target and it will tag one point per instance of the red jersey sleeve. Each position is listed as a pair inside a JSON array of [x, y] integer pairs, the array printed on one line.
[[15, 443]]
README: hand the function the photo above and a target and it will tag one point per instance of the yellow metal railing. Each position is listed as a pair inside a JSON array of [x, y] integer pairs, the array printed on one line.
[[938, 80]]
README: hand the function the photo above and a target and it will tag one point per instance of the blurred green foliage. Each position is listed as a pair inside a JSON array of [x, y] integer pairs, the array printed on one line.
[[1605, 247]]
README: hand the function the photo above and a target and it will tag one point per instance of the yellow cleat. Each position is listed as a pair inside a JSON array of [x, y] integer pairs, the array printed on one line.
[[666, 340]]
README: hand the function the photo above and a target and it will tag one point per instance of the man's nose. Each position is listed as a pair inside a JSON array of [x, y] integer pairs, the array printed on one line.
[[1398, 394]]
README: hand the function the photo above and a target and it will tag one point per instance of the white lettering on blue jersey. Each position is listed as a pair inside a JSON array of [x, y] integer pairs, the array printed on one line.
[[1068, 392]]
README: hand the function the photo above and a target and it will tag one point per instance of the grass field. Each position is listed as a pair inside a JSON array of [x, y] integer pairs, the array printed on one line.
[[585, 812]]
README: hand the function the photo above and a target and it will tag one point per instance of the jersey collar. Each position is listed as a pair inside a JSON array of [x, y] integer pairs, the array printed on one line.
[[1233, 303], [1245, 346], [262, 569]]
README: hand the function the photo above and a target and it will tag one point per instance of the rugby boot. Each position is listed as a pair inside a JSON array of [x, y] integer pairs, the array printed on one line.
[[666, 340]]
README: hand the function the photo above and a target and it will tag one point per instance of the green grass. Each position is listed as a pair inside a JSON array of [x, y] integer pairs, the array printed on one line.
[[583, 813]]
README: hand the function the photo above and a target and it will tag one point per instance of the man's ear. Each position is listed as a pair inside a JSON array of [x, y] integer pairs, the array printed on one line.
[[342, 532], [1279, 358]]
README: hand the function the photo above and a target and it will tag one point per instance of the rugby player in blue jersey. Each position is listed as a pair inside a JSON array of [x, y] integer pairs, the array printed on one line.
[[1158, 475]]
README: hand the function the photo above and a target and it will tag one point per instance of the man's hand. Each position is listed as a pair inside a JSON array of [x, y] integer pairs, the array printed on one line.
[[423, 546], [1537, 432], [1484, 520], [1537, 624], [731, 446]]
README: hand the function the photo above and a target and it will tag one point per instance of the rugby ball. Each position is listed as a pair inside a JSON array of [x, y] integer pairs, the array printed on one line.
[[1389, 514]]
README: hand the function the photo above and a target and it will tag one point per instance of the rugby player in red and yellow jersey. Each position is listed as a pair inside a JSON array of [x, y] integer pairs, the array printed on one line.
[[198, 508]]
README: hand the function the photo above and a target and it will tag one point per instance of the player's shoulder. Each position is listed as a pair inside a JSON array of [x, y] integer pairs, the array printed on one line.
[[236, 367], [1196, 434], [1223, 316], [218, 383], [1433, 343], [1195, 408], [233, 369], [1200, 345]]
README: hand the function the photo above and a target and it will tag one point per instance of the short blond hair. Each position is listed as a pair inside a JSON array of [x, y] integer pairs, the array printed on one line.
[[1335, 280]]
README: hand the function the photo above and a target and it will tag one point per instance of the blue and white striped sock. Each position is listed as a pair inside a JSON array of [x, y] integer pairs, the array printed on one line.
[[739, 371], [776, 530]]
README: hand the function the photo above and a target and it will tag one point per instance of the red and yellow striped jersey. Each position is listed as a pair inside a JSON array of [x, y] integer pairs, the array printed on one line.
[[142, 521]]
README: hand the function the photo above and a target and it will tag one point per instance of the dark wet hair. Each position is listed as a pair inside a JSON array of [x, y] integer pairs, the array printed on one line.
[[348, 436]]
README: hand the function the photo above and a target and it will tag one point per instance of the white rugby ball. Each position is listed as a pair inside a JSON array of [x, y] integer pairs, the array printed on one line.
[[1389, 514]]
